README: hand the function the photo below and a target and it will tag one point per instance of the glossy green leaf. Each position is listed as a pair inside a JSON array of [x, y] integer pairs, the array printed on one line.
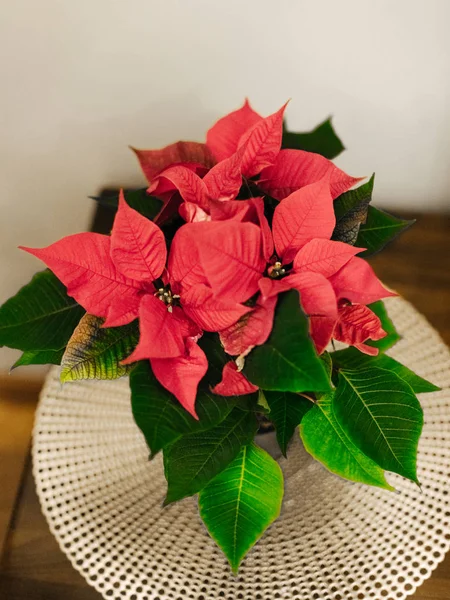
[[241, 502], [94, 352], [160, 416], [351, 210], [381, 415], [379, 229], [322, 140], [353, 359], [41, 316], [326, 441], [192, 461], [147, 205], [288, 360], [286, 412], [39, 357], [392, 336]]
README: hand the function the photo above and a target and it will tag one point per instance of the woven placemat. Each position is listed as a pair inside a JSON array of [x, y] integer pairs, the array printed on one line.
[[335, 540]]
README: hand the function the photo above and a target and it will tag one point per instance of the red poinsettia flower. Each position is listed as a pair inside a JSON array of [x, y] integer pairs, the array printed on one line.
[[323, 271], [243, 144], [122, 277], [219, 184]]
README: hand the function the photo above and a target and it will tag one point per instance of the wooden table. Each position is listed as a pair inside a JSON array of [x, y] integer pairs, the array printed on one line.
[[32, 565]]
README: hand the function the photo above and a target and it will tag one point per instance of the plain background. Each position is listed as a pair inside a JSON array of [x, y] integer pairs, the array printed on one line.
[[82, 80]]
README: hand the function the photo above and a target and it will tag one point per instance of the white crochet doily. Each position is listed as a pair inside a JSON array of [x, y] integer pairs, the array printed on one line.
[[335, 540]]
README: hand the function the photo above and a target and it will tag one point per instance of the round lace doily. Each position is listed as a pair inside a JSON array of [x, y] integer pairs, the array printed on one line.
[[335, 540]]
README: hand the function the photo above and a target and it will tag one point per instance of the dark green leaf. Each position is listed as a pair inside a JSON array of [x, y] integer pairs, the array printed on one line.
[[381, 415], [41, 316], [147, 205], [287, 361], [217, 359], [160, 416], [322, 140], [379, 229], [392, 336], [353, 359], [192, 461], [351, 211], [326, 441], [94, 352], [286, 412], [39, 357], [241, 502]]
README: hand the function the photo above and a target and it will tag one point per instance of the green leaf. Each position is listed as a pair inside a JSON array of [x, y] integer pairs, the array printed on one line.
[[351, 210], [192, 461], [241, 502], [217, 359], [288, 360], [381, 415], [41, 316], [160, 416], [147, 205], [379, 229], [353, 359], [392, 336], [39, 357], [325, 357], [326, 441], [286, 412], [323, 140], [94, 352], [262, 404]]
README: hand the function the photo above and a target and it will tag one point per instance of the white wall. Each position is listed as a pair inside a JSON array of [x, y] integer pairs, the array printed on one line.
[[82, 79]]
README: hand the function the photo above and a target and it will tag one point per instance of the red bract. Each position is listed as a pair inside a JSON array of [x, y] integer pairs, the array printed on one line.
[[356, 324], [154, 161], [114, 278], [244, 144], [233, 382], [294, 169], [322, 270], [223, 137], [221, 183]]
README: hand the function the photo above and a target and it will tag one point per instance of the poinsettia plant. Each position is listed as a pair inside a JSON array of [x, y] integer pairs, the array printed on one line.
[[221, 291]]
